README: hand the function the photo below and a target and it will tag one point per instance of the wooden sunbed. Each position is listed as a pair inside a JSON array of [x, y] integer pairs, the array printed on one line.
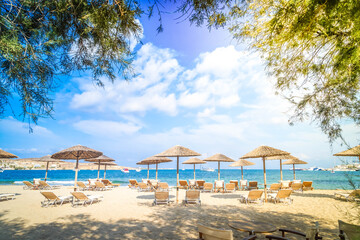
[[45, 186], [99, 186], [229, 188], [52, 199], [219, 186], [253, 185], [307, 185], [163, 186], [81, 199], [348, 196], [161, 198], [200, 184], [143, 187], [107, 182], [183, 184], [30, 186], [208, 187], [7, 196], [133, 183], [236, 182], [281, 195], [192, 197], [83, 187], [297, 187], [253, 196], [275, 187]]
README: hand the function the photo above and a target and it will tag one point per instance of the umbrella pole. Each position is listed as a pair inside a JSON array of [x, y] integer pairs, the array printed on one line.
[[281, 176], [98, 171], [47, 167], [264, 179], [242, 173], [294, 170], [194, 171], [76, 172], [105, 172], [177, 180], [219, 170], [148, 171], [156, 170]]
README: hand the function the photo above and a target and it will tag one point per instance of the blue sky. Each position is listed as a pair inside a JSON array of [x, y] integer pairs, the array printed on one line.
[[197, 89]]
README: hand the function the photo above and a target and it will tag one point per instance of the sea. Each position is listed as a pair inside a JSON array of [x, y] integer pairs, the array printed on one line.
[[320, 179]]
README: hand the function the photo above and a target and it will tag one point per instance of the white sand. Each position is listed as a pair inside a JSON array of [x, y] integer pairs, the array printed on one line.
[[127, 214]]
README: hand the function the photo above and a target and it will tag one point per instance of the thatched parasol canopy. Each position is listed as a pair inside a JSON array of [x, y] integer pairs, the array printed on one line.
[[281, 157], [241, 163], [352, 152], [99, 160], [194, 161], [156, 160], [77, 152], [219, 158], [293, 162], [4, 154], [263, 152], [178, 151]]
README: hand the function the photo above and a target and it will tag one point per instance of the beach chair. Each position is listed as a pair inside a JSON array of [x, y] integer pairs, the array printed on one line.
[[152, 184], [99, 186], [45, 186], [52, 199], [7, 196], [296, 181], [253, 185], [36, 181], [229, 188], [192, 197], [107, 182], [209, 233], [312, 234], [81, 199], [143, 187], [236, 182], [145, 180], [161, 198], [348, 231], [275, 187], [183, 184], [200, 184], [243, 184], [281, 195], [30, 186], [208, 187], [307, 186], [253, 196], [219, 186], [352, 196], [133, 183], [164, 187], [192, 184], [285, 184], [83, 187], [92, 182], [297, 187]]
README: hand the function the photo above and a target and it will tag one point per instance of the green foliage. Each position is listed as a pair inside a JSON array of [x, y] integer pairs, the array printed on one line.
[[41, 40]]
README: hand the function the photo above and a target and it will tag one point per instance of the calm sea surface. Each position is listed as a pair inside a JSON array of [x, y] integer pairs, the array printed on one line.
[[321, 179]]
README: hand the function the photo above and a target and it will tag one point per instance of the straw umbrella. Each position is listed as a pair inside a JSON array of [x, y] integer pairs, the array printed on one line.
[[194, 161], [4, 154], [352, 152], [263, 152], [293, 162], [156, 160], [148, 166], [106, 164], [219, 158], [242, 163], [77, 152], [281, 157], [178, 151], [98, 160]]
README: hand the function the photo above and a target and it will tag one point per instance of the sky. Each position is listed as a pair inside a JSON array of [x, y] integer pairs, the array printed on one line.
[[194, 88]]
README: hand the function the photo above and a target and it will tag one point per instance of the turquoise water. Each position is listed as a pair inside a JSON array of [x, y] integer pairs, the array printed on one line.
[[321, 179]]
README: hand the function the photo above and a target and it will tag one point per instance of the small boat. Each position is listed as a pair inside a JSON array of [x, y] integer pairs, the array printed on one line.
[[207, 169], [138, 169], [1, 170], [125, 170]]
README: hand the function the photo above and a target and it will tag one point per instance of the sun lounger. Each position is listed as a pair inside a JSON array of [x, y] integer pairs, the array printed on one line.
[[219, 186], [133, 183], [143, 187], [52, 199], [92, 182], [163, 186], [45, 186], [297, 187], [192, 183], [349, 231], [99, 186], [253, 196], [253, 185], [36, 181], [153, 184], [285, 184], [243, 184], [206, 233], [81, 199], [7, 196], [107, 182], [83, 187], [229, 188], [30, 186], [281, 195], [183, 184], [200, 184], [352, 196], [311, 233], [275, 187], [192, 197], [236, 182], [161, 198], [307, 185], [208, 187]]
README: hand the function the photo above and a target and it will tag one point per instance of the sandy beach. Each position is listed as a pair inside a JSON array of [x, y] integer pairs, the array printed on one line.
[[128, 214]]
